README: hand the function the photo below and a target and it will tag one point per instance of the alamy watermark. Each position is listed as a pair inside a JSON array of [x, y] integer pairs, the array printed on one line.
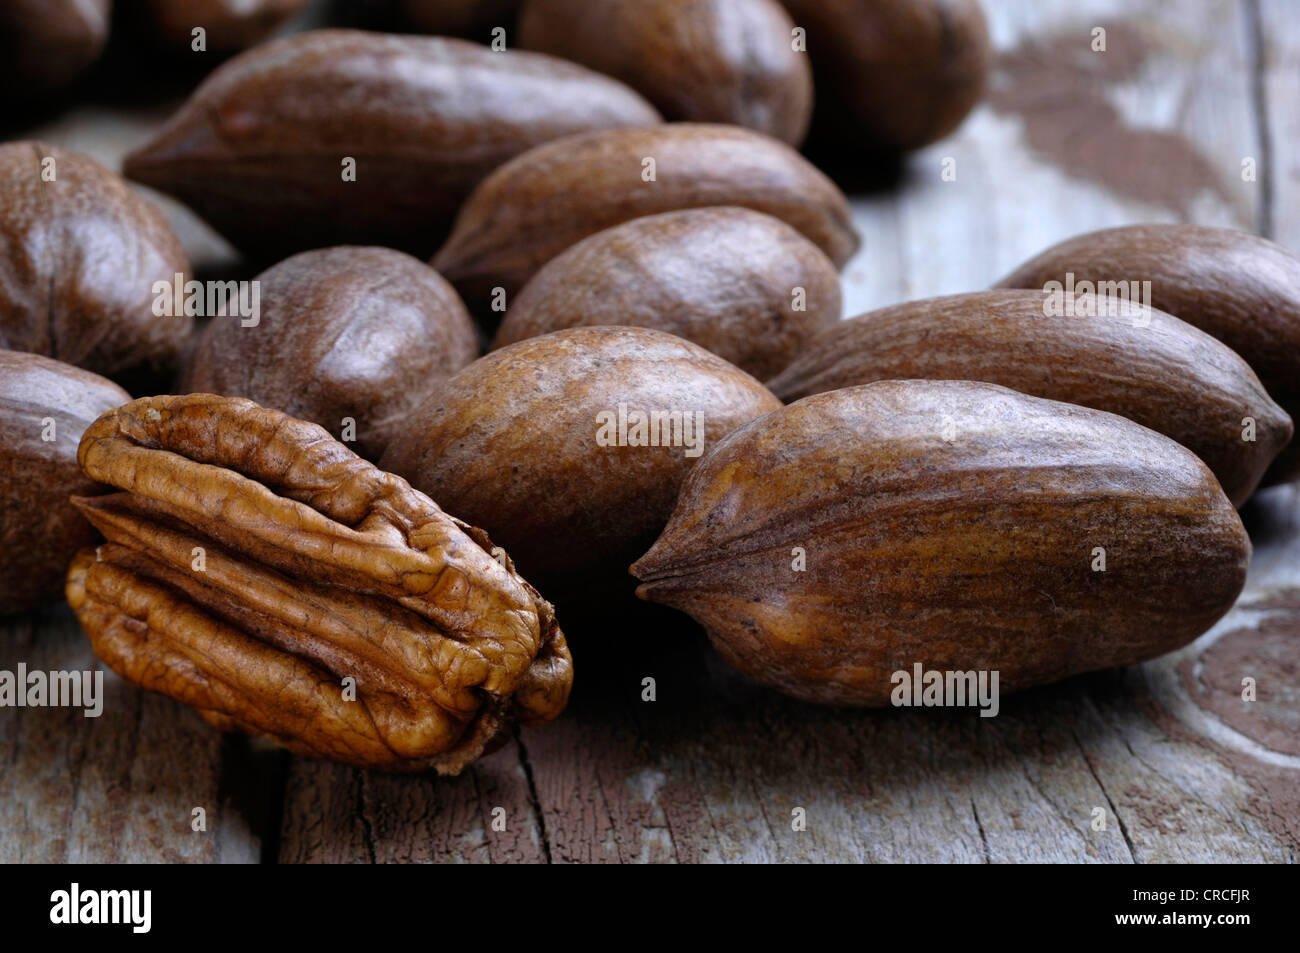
[[213, 299], [932, 688], [653, 428], [37, 689], [74, 906], [1095, 299]]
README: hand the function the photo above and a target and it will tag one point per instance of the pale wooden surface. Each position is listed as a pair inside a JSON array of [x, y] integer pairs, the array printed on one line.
[[1153, 130]]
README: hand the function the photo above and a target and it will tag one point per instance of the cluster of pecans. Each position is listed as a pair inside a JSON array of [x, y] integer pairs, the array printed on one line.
[[343, 529]]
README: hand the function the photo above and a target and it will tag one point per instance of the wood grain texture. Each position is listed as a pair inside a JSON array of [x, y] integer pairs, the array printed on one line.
[[335, 814], [710, 772], [117, 788]]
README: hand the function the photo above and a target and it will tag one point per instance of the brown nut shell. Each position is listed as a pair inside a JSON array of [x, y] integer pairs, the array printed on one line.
[[1237, 287], [739, 283], [45, 406], [728, 61], [344, 332], [951, 524], [1128, 359], [253, 564], [259, 148], [79, 255], [518, 439], [894, 74], [552, 197]]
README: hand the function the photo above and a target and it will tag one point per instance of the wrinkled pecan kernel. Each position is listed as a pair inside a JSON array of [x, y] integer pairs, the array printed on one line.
[[315, 566]]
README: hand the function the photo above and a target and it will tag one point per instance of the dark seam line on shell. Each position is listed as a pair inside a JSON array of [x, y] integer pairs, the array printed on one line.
[[954, 503]]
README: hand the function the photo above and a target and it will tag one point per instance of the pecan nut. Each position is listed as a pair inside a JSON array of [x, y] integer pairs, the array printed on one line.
[[45, 407], [1135, 361], [728, 61], [257, 149], [893, 75], [954, 524], [350, 331], [576, 514], [1235, 286], [723, 278], [80, 254], [553, 196], [253, 563]]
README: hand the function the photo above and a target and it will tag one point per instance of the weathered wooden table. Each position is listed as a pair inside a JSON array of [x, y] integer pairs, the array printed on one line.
[[1192, 113]]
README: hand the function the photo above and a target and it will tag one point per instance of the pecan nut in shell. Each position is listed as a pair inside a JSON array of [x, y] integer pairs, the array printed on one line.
[[1235, 286], [952, 524], [258, 148], [1139, 363], [535, 206], [45, 407]]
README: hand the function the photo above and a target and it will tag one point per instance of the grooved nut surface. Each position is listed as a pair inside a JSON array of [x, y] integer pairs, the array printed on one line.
[[315, 566]]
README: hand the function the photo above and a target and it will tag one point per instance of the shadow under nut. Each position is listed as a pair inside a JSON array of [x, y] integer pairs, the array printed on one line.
[[975, 553], [1142, 364], [739, 283], [1237, 287], [550, 198]]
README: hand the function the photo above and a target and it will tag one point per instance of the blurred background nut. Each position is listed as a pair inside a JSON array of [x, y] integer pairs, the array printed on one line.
[[1139, 363], [544, 201], [952, 524], [1238, 287], [260, 148], [893, 75], [229, 25], [344, 332], [45, 406], [741, 284], [46, 44], [79, 255], [729, 61], [528, 442]]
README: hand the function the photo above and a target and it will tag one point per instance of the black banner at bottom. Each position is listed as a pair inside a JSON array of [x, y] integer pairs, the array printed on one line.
[[338, 904]]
